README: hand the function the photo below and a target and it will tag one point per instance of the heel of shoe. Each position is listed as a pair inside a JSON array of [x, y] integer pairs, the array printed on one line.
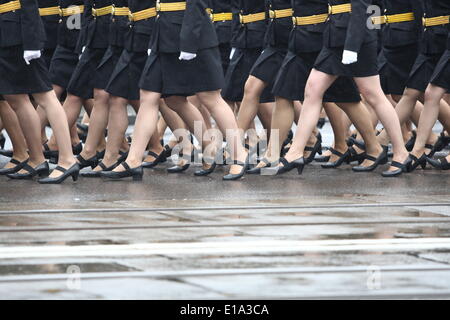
[[75, 176], [137, 177], [300, 169]]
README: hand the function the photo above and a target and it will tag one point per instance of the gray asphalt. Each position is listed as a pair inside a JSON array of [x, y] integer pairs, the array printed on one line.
[[325, 234]]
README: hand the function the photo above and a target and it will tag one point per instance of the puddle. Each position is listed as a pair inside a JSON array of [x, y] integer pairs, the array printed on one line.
[[14, 269]]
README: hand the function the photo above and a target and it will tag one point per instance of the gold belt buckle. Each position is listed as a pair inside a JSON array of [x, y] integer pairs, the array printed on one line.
[[158, 6], [130, 16], [330, 9], [386, 19], [241, 18], [113, 10], [294, 21], [272, 14], [94, 12]]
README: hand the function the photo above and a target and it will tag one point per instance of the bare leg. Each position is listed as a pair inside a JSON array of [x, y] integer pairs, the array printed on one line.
[[336, 116], [98, 123], [30, 125], [227, 124], [12, 126], [145, 127]]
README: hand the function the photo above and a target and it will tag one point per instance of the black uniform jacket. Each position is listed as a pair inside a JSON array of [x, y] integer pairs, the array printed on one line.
[[69, 31], [307, 38], [118, 25], [189, 31], [223, 28], [50, 23], [434, 39], [277, 34], [403, 33], [349, 30], [138, 35], [94, 30], [250, 35], [22, 27]]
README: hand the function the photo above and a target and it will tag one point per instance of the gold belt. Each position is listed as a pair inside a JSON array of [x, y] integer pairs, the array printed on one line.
[[223, 16], [102, 11], [122, 11], [70, 11], [170, 6], [340, 8], [435, 21], [278, 14], [314, 19], [393, 18], [10, 6], [143, 14], [50, 11], [249, 18]]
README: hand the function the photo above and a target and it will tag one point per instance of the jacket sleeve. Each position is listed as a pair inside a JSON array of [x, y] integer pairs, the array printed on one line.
[[192, 25], [357, 28], [33, 34]]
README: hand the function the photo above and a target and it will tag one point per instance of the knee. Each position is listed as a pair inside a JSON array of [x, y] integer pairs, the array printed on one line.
[[101, 97], [432, 97], [175, 103], [17, 101], [252, 89], [312, 91]]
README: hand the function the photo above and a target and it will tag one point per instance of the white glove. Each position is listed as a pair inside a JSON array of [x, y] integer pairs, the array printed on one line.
[[29, 55], [149, 51], [187, 56], [349, 57], [233, 50]]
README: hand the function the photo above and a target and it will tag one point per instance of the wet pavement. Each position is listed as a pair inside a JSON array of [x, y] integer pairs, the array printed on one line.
[[325, 234]]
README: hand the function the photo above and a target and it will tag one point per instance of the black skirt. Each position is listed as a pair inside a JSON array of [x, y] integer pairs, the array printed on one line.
[[441, 75], [106, 67], [395, 65], [421, 72], [291, 80], [82, 81], [268, 65], [330, 61], [166, 74], [225, 51], [19, 78], [237, 74], [124, 81], [62, 67], [48, 55]]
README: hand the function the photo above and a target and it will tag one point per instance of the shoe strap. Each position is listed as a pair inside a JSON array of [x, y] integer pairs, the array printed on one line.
[[398, 165], [14, 161], [312, 148], [46, 147], [153, 154], [61, 169], [29, 169], [429, 146], [284, 162], [126, 166], [103, 166], [337, 153]]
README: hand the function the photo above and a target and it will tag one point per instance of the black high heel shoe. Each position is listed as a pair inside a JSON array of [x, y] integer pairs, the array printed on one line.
[[6, 153], [136, 173], [100, 154], [204, 172], [18, 165], [343, 157], [381, 159], [73, 172], [96, 174], [83, 163], [355, 156], [179, 169], [76, 149], [298, 164], [402, 167], [317, 148], [422, 161], [159, 158], [2, 141], [359, 143], [409, 145], [257, 170], [41, 170], [231, 177], [441, 164], [48, 153]]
